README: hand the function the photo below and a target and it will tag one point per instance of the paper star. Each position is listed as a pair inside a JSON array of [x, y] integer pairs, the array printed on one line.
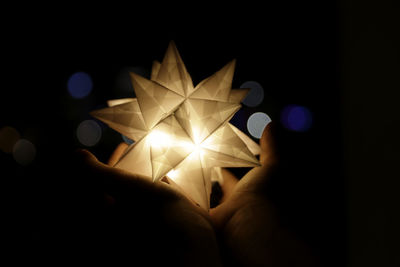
[[180, 131]]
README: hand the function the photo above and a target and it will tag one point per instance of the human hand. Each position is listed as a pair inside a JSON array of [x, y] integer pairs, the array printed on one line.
[[246, 221], [248, 225], [150, 223]]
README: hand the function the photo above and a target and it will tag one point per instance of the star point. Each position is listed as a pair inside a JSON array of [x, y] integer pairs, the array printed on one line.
[[180, 131]]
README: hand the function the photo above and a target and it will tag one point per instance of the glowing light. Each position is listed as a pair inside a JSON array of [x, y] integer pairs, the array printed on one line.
[[296, 118], [256, 123], [80, 85], [195, 148], [180, 127], [88, 133], [24, 152], [196, 130], [159, 138], [255, 95], [172, 174], [8, 137]]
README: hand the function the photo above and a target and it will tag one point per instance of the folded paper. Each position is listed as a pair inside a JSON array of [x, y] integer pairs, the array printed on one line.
[[180, 131]]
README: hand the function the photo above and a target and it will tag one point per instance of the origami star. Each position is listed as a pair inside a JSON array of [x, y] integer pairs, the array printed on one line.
[[181, 132]]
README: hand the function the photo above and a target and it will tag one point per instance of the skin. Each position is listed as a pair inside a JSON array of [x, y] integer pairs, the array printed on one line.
[[248, 223], [244, 230]]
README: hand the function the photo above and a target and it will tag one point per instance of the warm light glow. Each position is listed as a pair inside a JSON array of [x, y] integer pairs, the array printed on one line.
[[158, 138], [198, 150], [196, 134], [181, 131], [172, 174], [197, 147], [193, 147]]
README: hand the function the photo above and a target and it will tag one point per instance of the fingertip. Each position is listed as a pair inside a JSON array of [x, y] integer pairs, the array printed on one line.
[[267, 134], [123, 146], [267, 142], [222, 214], [117, 154], [215, 217], [81, 152], [84, 155], [228, 184]]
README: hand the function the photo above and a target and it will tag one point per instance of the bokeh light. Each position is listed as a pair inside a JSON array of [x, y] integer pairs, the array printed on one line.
[[24, 152], [8, 137], [255, 95], [256, 124], [80, 85], [88, 133], [296, 118], [127, 140]]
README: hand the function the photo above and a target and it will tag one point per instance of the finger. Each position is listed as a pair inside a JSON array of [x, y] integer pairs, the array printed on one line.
[[251, 183], [257, 177], [228, 184], [268, 153], [119, 183], [222, 213], [118, 152], [179, 189]]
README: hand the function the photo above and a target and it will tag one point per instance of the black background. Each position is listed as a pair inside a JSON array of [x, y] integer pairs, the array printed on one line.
[[341, 60]]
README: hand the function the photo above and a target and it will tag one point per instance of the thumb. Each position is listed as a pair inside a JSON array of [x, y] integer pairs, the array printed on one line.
[[268, 155], [256, 179], [117, 182]]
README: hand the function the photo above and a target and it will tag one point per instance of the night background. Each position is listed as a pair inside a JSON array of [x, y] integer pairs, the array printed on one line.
[[339, 61]]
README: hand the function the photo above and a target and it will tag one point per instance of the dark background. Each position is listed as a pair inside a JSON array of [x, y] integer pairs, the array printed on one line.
[[339, 59]]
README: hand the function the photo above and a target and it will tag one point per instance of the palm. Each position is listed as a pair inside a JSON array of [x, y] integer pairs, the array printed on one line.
[[245, 221], [250, 229], [152, 221]]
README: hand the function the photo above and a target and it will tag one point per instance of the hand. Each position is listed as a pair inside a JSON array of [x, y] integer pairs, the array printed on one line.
[[247, 222], [150, 223], [172, 227]]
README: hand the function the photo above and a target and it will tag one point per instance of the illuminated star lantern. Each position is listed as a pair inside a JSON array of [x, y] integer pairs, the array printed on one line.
[[181, 132]]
